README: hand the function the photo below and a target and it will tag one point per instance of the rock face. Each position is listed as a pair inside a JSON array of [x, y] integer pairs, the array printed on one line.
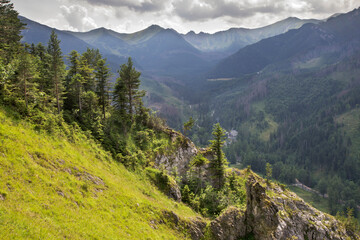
[[227, 227], [180, 158], [274, 213]]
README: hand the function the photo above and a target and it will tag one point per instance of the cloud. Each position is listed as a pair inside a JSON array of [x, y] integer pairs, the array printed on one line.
[[77, 18], [134, 5], [202, 10]]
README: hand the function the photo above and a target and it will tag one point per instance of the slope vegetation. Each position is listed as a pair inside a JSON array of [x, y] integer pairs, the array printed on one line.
[[55, 188]]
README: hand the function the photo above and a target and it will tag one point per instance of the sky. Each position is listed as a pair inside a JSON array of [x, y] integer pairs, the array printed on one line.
[[210, 16]]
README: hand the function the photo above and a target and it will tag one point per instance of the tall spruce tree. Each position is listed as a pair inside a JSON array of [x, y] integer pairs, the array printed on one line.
[[72, 82], [87, 73], [56, 68], [92, 57], [127, 96], [218, 163], [10, 27], [26, 76], [102, 75]]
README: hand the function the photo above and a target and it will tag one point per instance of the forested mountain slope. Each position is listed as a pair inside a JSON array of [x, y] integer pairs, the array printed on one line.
[[327, 42]]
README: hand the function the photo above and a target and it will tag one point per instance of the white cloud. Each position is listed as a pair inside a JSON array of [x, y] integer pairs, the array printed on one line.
[[182, 15], [77, 17]]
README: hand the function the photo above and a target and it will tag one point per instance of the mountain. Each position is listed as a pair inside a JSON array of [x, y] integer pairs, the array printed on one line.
[[232, 40], [39, 33], [327, 41], [158, 51], [294, 101]]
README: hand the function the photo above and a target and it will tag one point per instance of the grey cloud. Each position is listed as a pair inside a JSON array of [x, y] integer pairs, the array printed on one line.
[[211, 9], [137, 6], [325, 6]]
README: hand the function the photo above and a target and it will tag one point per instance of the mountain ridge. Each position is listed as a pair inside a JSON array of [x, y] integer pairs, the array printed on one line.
[[234, 39], [309, 40]]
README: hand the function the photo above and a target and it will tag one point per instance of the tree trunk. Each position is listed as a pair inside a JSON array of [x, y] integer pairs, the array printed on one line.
[[25, 91]]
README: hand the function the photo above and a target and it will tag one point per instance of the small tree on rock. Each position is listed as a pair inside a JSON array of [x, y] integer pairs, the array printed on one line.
[[219, 163]]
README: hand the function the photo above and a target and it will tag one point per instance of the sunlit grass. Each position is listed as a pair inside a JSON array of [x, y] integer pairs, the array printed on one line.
[[54, 189]]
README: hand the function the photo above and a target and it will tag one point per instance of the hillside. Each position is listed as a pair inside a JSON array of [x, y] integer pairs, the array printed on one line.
[[54, 188], [303, 122], [84, 159], [325, 42]]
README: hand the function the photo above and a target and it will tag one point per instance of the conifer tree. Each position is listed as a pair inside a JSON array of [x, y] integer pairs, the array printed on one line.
[[26, 75], [56, 68], [188, 125], [92, 57], [127, 96], [87, 73], [218, 164], [10, 27], [102, 75], [72, 82]]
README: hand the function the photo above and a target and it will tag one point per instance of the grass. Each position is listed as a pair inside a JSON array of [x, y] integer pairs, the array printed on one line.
[[351, 122], [264, 134], [321, 203], [54, 189]]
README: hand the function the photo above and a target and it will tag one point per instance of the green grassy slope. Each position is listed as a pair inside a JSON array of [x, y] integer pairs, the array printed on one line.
[[51, 188], [351, 128]]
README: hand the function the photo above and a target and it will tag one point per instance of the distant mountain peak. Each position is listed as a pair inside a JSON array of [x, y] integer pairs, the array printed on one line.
[[154, 27]]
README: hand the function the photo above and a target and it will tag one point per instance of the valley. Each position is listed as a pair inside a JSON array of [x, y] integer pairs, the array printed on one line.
[[287, 81], [158, 134]]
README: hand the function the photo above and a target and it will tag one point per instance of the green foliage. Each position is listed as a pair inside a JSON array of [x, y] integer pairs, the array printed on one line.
[[47, 179], [349, 221], [219, 163], [102, 76], [10, 27], [188, 125], [161, 179], [57, 68], [268, 171], [127, 96]]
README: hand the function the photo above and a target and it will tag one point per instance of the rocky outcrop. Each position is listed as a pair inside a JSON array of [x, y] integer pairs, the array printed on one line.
[[179, 159], [194, 226], [273, 213], [276, 213], [227, 227]]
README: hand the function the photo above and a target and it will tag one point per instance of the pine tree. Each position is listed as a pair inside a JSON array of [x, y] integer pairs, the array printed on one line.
[[218, 163], [102, 75], [56, 67], [268, 171], [92, 57], [26, 75], [87, 73], [188, 125], [10, 27], [127, 96], [73, 81]]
